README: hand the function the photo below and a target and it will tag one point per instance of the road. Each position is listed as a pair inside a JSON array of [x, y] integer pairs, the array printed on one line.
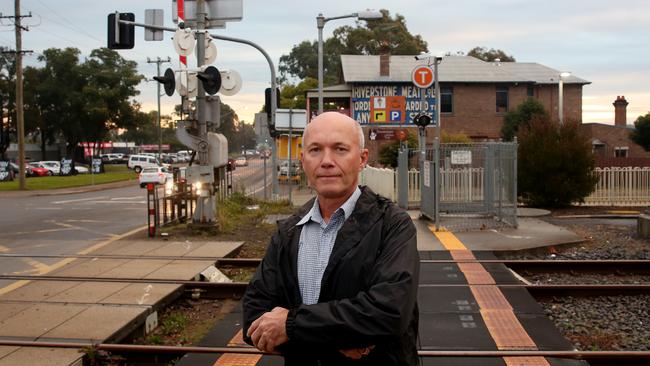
[[65, 224]]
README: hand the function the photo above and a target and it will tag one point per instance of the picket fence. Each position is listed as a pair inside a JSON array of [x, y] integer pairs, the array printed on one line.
[[616, 186]]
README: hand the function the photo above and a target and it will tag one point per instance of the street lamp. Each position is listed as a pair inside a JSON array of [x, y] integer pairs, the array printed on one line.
[[320, 23], [560, 102]]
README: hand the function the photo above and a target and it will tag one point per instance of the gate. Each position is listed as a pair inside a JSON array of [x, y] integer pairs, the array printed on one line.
[[477, 185]]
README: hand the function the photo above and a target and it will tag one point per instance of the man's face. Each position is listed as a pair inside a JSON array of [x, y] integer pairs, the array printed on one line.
[[331, 156]]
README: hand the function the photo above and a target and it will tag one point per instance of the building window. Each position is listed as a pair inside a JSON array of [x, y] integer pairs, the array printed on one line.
[[530, 91], [446, 99], [621, 152], [502, 99]]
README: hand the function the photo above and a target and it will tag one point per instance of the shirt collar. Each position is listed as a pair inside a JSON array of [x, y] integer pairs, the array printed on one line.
[[347, 207]]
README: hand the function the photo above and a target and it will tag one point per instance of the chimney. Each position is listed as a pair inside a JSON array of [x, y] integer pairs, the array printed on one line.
[[384, 60], [620, 111]]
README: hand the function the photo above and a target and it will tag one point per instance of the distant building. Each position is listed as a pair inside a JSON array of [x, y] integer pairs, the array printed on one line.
[[612, 144], [378, 92]]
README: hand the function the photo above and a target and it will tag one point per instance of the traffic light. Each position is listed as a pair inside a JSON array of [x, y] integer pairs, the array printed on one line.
[[121, 36], [168, 80], [267, 108], [211, 79], [422, 120]]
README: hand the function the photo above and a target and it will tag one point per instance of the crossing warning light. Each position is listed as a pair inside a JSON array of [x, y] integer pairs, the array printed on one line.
[[121, 36], [422, 120], [168, 80], [211, 79]]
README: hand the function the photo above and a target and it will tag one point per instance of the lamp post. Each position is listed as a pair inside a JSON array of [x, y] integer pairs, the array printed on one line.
[[320, 23], [560, 101]]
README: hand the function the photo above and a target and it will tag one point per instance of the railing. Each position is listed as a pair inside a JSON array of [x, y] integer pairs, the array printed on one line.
[[615, 187]]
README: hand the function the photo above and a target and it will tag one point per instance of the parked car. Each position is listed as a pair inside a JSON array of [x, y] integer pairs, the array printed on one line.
[[156, 175], [241, 161], [112, 158], [53, 166], [81, 169], [35, 171], [139, 162], [284, 171]]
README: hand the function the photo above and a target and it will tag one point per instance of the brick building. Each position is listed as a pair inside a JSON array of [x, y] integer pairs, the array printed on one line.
[[612, 144], [475, 95]]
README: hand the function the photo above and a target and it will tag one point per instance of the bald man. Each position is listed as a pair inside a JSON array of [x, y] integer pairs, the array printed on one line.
[[338, 283]]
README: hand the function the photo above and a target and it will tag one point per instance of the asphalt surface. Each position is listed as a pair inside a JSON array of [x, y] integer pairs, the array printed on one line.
[[65, 224]]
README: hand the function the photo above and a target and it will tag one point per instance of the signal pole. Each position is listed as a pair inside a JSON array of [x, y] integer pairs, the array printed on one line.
[[158, 61], [20, 117]]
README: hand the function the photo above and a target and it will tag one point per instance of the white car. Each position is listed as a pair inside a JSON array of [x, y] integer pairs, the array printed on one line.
[[157, 175], [241, 161], [139, 162], [81, 169]]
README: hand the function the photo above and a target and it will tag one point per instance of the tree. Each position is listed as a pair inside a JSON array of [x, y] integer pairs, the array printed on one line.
[[641, 133], [293, 96], [520, 117], [482, 53], [554, 164], [388, 33], [389, 152]]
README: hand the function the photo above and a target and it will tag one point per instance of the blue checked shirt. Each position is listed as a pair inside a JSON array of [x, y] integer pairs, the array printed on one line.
[[316, 242]]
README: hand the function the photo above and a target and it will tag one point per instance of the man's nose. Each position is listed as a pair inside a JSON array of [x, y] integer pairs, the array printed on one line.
[[327, 160]]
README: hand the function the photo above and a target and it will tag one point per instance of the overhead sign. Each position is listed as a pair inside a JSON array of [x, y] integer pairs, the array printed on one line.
[[422, 76], [365, 102]]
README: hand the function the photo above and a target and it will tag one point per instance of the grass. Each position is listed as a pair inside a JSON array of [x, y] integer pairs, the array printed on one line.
[[240, 211], [114, 173]]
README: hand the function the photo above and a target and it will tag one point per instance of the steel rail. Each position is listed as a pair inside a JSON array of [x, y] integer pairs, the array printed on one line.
[[586, 355], [244, 262], [236, 289]]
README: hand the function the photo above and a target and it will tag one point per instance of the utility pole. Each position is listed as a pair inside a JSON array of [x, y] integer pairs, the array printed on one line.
[[158, 61], [20, 117]]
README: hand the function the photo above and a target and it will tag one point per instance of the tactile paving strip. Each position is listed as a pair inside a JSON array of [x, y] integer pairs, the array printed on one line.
[[490, 297], [507, 332], [526, 361], [476, 274], [237, 359], [462, 255]]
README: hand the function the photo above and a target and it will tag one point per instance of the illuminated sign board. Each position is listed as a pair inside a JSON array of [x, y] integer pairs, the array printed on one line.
[[390, 104]]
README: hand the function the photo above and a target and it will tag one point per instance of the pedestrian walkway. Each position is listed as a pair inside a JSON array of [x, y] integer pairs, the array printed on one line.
[[95, 311]]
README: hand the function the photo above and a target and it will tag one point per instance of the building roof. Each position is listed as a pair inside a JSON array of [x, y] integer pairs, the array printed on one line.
[[365, 69]]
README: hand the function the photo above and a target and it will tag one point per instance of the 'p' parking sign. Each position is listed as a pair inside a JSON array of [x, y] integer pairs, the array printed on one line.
[[387, 109]]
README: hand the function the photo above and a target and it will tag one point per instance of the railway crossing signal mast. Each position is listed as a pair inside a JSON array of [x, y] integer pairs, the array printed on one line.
[[193, 18]]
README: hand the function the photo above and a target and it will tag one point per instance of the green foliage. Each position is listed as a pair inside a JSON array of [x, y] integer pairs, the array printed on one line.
[[482, 53], [389, 32], [641, 134], [522, 116], [240, 210], [554, 164], [113, 174], [459, 138], [293, 96], [388, 153], [174, 323]]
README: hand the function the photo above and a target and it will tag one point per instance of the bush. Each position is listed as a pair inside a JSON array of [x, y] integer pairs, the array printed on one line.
[[555, 164], [521, 117], [458, 138], [388, 153]]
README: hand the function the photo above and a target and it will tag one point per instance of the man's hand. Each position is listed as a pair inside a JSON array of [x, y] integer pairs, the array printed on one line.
[[356, 353], [269, 330]]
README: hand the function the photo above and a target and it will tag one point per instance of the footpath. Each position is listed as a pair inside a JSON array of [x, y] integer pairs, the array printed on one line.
[[96, 311]]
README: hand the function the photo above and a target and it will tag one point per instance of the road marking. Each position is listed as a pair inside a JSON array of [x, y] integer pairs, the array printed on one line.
[[78, 200], [3, 249], [55, 266], [121, 202], [55, 230], [47, 208], [88, 221], [126, 198]]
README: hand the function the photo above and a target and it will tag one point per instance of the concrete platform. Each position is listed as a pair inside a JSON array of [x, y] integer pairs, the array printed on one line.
[[75, 311]]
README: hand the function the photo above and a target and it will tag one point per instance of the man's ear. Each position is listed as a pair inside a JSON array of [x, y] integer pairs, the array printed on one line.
[[364, 159]]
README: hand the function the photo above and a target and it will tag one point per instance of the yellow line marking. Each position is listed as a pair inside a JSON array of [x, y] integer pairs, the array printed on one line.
[[46, 269], [39, 266], [623, 212], [448, 239], [3, 249]]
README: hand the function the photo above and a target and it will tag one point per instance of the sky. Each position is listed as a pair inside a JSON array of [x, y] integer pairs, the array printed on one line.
[[605, 42]]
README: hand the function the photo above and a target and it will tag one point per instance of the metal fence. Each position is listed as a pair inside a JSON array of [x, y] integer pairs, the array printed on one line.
[[621, 187], [478, 184]]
